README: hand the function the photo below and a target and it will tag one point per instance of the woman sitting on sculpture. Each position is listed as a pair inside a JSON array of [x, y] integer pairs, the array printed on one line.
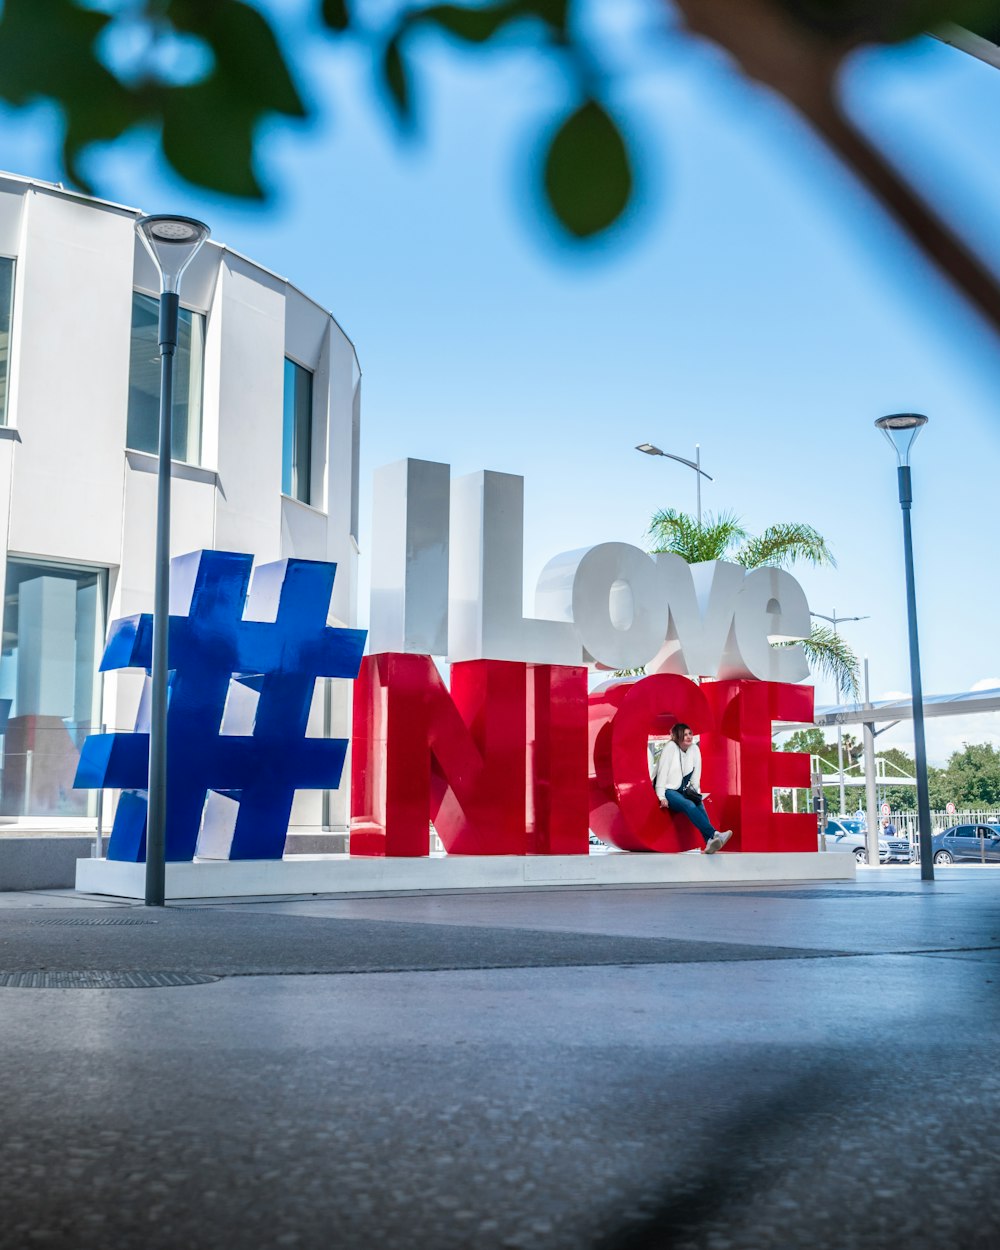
[[677, 783]]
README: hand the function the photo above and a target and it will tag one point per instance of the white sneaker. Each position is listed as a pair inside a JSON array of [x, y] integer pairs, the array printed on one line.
[[713, 844], [722, 838]]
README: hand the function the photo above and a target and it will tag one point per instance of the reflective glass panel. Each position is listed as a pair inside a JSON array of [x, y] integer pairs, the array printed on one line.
[[6, 309], [50, 691], [144, 381], [296, 440]]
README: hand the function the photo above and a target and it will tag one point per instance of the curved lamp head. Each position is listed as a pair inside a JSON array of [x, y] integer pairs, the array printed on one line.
[[650, 450], [172, 242], [901, 429]]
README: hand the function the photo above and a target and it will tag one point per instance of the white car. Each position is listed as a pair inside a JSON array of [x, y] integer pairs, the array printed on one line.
[[847, 834]]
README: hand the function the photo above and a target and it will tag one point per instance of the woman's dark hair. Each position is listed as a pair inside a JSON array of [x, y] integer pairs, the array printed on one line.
[[678, 732]]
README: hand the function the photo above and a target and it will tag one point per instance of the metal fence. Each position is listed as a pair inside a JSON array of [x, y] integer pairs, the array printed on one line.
[[906, 822]]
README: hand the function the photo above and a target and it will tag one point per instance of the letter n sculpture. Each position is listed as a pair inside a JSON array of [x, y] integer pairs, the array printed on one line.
[[252, 658]]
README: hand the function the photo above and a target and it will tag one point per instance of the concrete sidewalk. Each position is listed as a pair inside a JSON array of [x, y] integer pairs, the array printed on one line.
[[755, 1067]]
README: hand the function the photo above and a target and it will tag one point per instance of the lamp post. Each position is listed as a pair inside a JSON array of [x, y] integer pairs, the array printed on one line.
[[835, 620], [901, 429], [172, 242], [649, 450]]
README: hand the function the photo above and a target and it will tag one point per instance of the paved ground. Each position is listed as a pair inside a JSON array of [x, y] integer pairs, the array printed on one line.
[[614, 1069]]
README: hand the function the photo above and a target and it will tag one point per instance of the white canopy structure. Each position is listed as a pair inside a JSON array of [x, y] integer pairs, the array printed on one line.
[[885, 713], [902, 709]]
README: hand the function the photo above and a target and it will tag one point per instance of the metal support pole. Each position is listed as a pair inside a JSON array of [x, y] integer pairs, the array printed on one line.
[[919, 745], [99, 832], [840, 742], [156, 814], [840, 769], [697, 477], [817, 799], [871, 794]]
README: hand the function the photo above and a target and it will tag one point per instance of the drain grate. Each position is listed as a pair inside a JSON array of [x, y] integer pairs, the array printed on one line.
[[89, 920], [43, 979], [813, 893]]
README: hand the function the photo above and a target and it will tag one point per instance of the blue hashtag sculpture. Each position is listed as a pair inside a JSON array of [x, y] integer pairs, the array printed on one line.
[[274, 641]]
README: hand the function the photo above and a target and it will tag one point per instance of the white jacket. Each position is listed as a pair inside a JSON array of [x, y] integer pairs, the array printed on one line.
[[674, 766]]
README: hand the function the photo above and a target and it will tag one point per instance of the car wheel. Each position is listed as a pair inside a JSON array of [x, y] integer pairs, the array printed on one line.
[[943, 857], [861, 855]]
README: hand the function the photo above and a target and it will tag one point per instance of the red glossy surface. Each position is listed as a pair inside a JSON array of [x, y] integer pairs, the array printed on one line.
[[744, 769], [623, 807], [464, 760], [557, 750], [500, 765], [739, 768]]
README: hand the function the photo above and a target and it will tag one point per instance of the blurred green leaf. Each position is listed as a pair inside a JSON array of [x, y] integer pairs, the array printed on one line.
[[396, 80], [864, 21], [480, 23], [986, 24], [47, 51], [248, 61], [472, 25], [208, 127], [192, 114], [588, 178], [335, 14]]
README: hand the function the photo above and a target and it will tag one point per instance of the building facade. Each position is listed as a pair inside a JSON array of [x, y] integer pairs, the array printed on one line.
[[266, 427]]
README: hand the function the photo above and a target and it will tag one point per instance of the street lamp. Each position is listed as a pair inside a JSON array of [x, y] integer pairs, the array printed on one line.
[[649, 450], [835, 620], [901, 429], [172, 242]]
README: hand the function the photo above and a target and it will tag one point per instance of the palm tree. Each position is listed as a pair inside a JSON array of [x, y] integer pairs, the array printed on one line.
[[723, 537]]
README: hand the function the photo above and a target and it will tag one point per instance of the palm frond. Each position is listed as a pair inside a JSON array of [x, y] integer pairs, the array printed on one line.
[[781, 545], [828, 653], [681, 534]]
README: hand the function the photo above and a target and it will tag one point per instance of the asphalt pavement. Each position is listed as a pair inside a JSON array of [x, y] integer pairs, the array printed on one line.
[[609, 1068]]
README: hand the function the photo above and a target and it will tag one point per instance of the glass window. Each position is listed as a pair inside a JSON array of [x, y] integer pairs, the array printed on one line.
[[144, 381], [356, 460], [6, 309], [296, 441], [50, 693]]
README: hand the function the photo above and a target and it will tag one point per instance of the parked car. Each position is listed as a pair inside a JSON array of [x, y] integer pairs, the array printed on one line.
[[967, 842], [848, 834]]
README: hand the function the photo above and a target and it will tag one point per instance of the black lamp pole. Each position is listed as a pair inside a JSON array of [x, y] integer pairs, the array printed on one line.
[[901, 429], [172, 243]]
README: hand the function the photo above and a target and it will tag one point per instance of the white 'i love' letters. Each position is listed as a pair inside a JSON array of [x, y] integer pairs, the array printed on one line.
[[448, 572]]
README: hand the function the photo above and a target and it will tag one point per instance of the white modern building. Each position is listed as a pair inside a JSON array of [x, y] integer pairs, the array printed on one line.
[[265, 440]]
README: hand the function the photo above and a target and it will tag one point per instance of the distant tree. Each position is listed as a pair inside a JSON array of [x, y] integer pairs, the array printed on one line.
[[900, 798], [970, 779], [810, 741]]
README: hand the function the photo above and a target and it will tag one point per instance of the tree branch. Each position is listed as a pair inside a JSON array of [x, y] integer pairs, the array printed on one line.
[[802, 65]]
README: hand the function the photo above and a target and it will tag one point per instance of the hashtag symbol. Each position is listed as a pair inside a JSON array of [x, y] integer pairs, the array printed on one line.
[[270, 637]]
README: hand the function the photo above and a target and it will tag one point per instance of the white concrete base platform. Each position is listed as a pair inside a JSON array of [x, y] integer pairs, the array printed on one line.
[[340, 874]]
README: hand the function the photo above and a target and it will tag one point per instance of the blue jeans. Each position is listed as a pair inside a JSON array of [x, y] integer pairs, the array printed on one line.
[[695, 812]]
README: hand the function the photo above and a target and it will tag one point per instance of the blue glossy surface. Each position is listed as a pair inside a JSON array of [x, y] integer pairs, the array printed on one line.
[[274, 640]]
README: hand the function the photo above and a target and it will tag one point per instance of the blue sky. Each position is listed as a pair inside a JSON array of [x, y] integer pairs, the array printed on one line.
[[755, 302]]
